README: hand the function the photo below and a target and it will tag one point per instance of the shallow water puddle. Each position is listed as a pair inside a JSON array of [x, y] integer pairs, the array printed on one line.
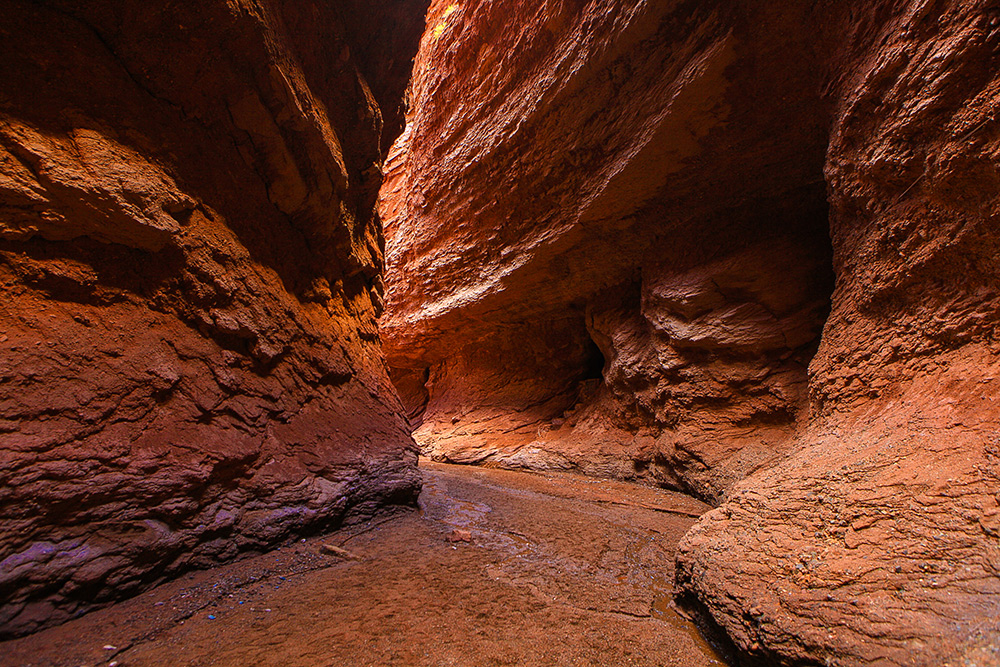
[[632, 570]]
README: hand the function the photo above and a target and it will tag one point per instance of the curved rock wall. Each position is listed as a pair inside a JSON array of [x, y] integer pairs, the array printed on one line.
[[747, 249], [607, 236], [190, 260], [881, 532]]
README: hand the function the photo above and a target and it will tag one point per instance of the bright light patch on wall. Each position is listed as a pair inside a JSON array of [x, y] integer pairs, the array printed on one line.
[[443, 21]]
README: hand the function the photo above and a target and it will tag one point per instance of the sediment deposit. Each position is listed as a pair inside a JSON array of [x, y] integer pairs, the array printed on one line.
[[498, 567]]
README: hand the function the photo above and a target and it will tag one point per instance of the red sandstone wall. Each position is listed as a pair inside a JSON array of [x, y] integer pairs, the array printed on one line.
[[776, 224], [190, 260], [881, 531], [626, 190]]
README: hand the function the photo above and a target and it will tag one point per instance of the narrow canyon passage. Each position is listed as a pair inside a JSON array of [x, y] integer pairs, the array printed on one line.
[[497, 568], [259, 256]]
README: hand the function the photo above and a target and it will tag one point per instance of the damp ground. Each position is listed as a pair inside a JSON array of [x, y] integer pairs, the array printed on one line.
[[496, 568]]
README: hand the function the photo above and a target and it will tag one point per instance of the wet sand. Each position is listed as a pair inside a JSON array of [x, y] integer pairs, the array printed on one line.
[[496, 568]]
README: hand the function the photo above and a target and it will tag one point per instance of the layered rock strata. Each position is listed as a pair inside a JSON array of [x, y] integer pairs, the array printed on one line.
[[743, 248], [880, 533], [607, 233], [190, 260]]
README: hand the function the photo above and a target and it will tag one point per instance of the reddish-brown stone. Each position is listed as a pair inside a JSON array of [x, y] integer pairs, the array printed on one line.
[[609, 249], [607, 235], [190, 263]]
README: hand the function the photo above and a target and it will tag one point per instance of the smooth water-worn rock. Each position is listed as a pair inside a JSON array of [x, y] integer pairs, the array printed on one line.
[[743, 248], [190, 261]]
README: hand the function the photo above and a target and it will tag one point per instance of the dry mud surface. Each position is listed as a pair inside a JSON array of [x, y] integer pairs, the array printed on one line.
[[496, 568]]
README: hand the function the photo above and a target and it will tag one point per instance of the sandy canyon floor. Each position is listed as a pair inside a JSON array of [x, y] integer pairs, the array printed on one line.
[[496, 568]]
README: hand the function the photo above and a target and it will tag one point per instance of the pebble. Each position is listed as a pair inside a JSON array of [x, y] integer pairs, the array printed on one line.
[[459, 535], [337, 551]]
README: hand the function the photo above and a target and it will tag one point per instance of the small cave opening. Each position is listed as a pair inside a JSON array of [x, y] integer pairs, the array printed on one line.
[[412, 387], [594, 363]]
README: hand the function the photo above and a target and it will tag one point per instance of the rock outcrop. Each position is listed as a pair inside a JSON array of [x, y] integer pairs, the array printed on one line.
[[746, 249], [190, 259]]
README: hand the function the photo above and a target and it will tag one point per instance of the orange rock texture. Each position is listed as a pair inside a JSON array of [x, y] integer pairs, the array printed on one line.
[[748, 249], [190, 260], [607, 237]]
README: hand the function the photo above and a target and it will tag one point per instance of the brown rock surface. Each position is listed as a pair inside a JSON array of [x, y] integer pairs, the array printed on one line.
[[877, 534], [592, 264], [190, 259], [609, 249]]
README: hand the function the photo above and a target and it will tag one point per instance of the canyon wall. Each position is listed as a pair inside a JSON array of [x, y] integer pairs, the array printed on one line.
[[190, 259], [747, 249], [607, 236]]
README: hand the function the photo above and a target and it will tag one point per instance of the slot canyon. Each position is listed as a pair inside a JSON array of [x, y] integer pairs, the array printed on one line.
[[451, 332]]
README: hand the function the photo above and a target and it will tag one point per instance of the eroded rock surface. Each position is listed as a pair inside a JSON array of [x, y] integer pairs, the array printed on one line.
[[190, 259], [879, 532], [607, 235], [747, 249]]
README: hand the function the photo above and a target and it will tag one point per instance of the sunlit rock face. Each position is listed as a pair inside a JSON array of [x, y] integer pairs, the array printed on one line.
[[747, 249], [190, 261], [607, 236]]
